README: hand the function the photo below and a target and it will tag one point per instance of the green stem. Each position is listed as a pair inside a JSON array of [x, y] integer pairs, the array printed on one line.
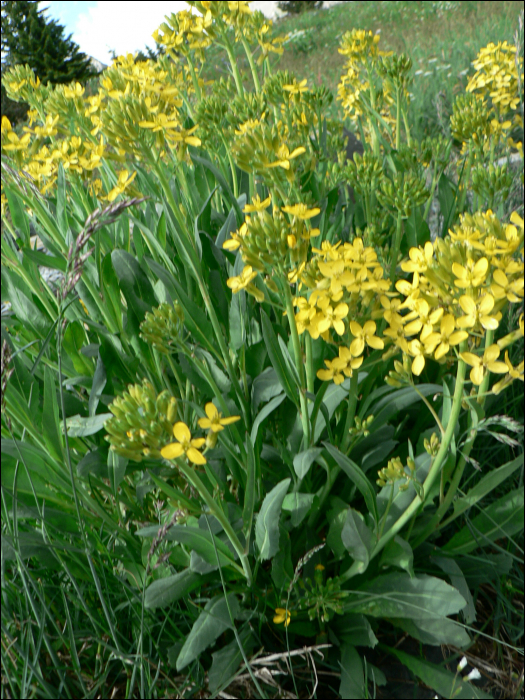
[[194, 79], [310, 378], [233, 63], [298, 360], [397, 245], [253, 67], [194, 479], [438, 462], [232, 167], [445, 502], [398, 118], [350, 413]]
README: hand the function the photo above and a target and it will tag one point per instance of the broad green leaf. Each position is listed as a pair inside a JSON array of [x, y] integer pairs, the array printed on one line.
[[398, 553], [304, 460], [355, 474], [220, 378], [50, 415], [81, 426], [236, 322], [166, 591], [278, 362], [226, 661], [19, 217], [398, 595], [99, 382], [210, 624], [288, 360], [503, 518], [111, 291], [61, 211], [354, 629], [282, 565], [264, 413], [444, 682], [352, 676], [134, 283], [336, 521], [398, 400], [457, 579], [267, 523], [298, 504], [265, 386], [198, 540], [116, 469], [329, 402], [73, 341], [358, 540], [224, 185], [486, 484], [22, 304], [442, 630]]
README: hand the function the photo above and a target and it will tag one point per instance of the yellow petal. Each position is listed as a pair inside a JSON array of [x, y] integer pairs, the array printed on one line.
[[181, 431], [195, 456], [172, 450], [231, 419], [211, 411], [418, 365]]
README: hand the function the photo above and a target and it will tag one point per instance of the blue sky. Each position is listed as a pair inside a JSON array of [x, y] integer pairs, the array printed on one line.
[[125, 27]]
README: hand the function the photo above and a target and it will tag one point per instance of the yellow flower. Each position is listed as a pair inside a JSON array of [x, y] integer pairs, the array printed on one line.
[[416, 350], [444, 339], [243, 280], [328, 317], [471, 275], [285, 157], [282, 615], [481, 364], [296, 88], [362, 335], [214, 422], [257, 205], [184, 445], [477, 313], [319, 567], [342, 365], [420, 259], [301, 211], [501, 287]]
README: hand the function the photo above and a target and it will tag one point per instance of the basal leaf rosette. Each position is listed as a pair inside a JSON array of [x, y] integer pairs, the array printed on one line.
[[460, 287]]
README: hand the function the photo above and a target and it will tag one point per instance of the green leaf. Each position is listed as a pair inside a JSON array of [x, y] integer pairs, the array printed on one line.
[[336, 521], [282, 565], [99, 382], [398, 595], [357, 477], [354, 629], [236, 322], [267, 524], [196, 539], [398, 400], [265, 387], [249, 494], [264, 413], [486, 484], [19, 216], [81, 426], [226, 661], [72, 342], [503, 518], [298, 504], [224, 185], [111, 291], [278, 362], [134, 283], [439, 679], [358, 540], [210, 624], [50, 415], [304, 460], [457, 579], [166, 591], [398, 553], [352, 676], [436, 632]]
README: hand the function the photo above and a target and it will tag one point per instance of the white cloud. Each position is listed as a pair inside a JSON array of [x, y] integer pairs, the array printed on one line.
[[124, 27]]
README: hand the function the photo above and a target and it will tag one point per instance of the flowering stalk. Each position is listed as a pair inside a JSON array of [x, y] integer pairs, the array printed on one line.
[[438, 462], [298, 361], [194, 479], [253, 68]]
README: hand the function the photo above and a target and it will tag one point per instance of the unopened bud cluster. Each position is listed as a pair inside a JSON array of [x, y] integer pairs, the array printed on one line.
[[362, 426], [394, 471], [162, 327], [142, 422]]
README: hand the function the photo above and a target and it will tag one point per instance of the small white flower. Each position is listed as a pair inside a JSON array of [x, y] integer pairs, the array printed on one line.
[[432, 60], [473, 675], [418, 72], [429, 72], [462, 663]]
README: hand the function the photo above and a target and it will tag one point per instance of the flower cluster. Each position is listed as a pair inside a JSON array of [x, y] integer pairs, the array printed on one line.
[[460, 286]]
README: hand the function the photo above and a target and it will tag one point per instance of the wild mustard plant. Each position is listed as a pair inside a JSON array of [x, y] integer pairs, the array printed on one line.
[[268, 310]]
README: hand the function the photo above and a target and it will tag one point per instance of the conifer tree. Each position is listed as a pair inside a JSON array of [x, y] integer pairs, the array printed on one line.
[[30, 38], [298, 7]]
